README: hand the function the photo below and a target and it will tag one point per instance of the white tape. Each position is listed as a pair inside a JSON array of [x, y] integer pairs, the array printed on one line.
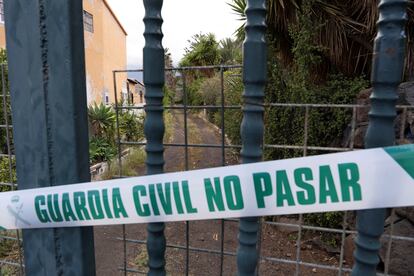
[[374, 178]]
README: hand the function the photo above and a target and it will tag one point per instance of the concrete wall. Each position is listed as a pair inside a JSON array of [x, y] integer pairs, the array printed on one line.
[[105, 51]]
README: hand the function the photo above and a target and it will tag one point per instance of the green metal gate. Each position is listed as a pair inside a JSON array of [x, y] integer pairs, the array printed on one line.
[[48, 100]]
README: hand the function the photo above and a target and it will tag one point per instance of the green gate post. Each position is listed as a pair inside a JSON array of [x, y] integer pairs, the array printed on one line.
[[387, 73], [154, 123], [254, 79], [48, 96]]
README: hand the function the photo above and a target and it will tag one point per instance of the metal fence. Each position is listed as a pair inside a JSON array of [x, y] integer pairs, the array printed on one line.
[[217, 254], [11, 253], [198, 250], [219, 248]]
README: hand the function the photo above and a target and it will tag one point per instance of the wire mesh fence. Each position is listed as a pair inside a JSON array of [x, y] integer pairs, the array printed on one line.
[[299, 244], [11, 252], [197, 137]]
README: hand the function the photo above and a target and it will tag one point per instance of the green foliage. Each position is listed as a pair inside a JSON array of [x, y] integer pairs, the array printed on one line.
[[168, 96], [131, 164], [345, 31], [100, 150], [203, 50], [328, 220], [239, 8], [296, 84], [233, 89], [3, 137], [230, 51], [131, 126], [5, 175], [101, 121], [210, 90], [194, 96]]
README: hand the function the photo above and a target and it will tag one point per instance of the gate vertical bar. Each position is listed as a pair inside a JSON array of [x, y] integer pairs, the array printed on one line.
[[387, 73], [254, 79], [154, 123], [48, 96]]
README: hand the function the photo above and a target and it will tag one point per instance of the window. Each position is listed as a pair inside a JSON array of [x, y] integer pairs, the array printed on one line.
[[87, 21], [1, 11], [106, 97]]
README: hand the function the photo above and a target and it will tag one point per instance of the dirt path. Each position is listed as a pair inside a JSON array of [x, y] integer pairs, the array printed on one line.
[[109, 249], [276, 242]]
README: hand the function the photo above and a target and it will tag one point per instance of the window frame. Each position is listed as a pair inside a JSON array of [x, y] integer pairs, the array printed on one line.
[[88, 21], [1, 11]]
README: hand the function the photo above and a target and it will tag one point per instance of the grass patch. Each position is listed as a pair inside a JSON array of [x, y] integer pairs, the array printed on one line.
[[140, 261], [169, 127], [9, 251], [132, 164]]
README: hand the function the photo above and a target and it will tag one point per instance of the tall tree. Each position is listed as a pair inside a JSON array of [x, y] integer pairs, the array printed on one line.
[[344, 31], [203, 50], [170, 80], [230, 51]]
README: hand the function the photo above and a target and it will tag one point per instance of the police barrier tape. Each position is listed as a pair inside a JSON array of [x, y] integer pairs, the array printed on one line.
[[374, 178]]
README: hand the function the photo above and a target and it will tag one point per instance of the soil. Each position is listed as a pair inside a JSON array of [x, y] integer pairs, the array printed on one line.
[[276, 242]]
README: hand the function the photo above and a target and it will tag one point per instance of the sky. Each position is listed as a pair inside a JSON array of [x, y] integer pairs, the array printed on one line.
[[182, 20]]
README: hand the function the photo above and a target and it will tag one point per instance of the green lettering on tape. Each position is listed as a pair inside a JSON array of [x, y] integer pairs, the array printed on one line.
[[214, 194], [40, 201], [283, 190], [234, 196], [326, 185], [263, 187], [68, 213], [307, 196], [349, 176]]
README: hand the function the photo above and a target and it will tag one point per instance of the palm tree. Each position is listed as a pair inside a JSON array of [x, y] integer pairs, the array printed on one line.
[[345, 30], [230, 51], [101, 120], [203, 50]]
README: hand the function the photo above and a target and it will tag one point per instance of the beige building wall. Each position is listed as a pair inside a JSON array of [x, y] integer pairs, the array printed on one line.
[[136, 92], [114, 54], [105, 51], [2, 35]]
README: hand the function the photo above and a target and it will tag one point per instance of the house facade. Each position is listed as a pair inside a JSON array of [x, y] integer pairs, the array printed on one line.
[[136, 93], [105, 51]]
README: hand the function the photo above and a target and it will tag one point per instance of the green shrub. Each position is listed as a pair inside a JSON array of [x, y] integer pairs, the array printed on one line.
[[101, 150], [101, 121], [5, 172], [210, 90], [131, 164], [328, 220], [233, 89], [131, 126]]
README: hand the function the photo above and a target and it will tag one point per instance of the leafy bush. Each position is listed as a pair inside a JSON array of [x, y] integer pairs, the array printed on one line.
[[5, 172], [100, 150], [210, 92], [329, 219], [101, 121], [131, 164], [131, 126], [194, 96], [297, 84], [233, 89]]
